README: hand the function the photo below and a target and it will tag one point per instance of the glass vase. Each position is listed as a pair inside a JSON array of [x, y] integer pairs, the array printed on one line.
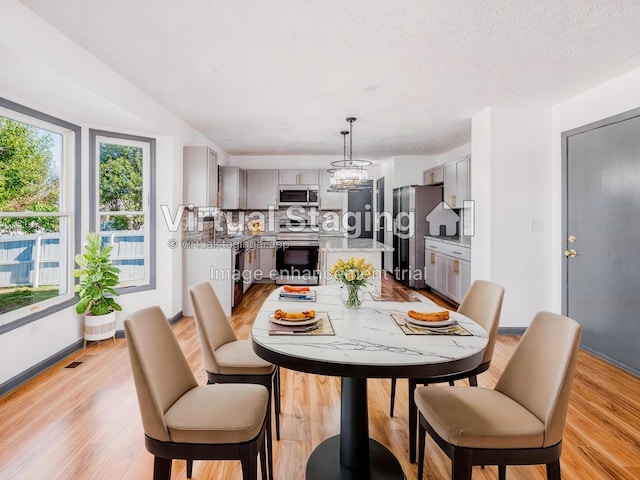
[[351, 296]]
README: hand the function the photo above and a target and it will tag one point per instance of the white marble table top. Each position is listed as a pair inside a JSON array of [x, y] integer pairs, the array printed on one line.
[[367, 340], [341, 244]]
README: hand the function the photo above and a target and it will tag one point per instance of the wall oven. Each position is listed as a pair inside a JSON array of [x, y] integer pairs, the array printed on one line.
[[297, 255], [304, 195]]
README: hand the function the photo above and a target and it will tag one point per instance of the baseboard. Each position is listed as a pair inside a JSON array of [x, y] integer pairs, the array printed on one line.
[[39, 367], [511, 330], [49, 362], [612, 361]]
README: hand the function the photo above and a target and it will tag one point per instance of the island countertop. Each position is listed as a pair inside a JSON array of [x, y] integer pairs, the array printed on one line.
[[341, 244]]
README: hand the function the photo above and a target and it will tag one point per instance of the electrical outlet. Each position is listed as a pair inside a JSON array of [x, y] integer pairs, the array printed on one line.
[[34, 328], [536, 225]]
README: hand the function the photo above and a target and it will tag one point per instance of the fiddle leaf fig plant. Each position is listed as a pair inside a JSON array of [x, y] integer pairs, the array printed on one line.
[[98, 277]]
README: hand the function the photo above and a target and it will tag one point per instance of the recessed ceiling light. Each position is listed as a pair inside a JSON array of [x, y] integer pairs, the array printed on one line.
[[207, 69], [370, 88]]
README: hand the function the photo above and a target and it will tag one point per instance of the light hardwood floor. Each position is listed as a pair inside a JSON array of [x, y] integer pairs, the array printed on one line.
[[84, 423]]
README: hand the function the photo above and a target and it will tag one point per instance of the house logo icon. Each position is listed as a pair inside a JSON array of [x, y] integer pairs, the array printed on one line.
[[442, 215]]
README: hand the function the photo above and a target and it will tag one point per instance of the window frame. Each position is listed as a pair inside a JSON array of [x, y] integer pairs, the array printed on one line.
[[149, 197], [70, 198]]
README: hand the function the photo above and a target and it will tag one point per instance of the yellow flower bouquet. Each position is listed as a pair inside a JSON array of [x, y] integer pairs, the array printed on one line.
[[354, 273]]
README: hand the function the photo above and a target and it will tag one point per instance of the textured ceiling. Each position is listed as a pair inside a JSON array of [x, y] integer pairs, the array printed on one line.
[[280, 76]]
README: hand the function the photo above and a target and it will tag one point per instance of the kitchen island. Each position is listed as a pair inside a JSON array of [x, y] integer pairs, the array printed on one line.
[[333, 248]]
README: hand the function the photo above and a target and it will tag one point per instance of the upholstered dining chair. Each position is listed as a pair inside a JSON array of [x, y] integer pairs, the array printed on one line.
[[227, 359], [182, 419], [482, 304], [521, 420]]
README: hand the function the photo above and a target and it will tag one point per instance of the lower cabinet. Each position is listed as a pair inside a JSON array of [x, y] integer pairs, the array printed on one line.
[[267, 260], [448, 268]]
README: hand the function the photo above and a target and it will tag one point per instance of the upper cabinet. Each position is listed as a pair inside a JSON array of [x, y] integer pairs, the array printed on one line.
[[434, 176], [456, 182], [262, 189], [329, 200], [298, 177], [200, 176], [232, 188]]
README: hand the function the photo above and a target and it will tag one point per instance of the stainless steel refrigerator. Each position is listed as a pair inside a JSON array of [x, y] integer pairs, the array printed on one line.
[[411, 204]]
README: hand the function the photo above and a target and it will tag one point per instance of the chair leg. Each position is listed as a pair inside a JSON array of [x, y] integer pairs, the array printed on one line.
[[413, 420], [249, 460], [553, 470], [269, 446], [461, 464], [473, 381], [189, 468], [263, 460], [502, 472], [276, 398], [422, 433], [392, 400], [451, 383], [161, 468]]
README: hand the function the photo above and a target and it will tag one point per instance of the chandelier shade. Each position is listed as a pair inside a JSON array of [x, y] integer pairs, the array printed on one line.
[[348, 174]]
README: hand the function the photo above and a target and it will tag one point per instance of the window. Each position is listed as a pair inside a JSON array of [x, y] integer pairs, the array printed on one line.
[[122, 194], [38, 219]]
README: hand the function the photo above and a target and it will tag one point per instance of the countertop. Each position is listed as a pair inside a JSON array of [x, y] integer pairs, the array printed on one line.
[[461, 241], [341, 244]]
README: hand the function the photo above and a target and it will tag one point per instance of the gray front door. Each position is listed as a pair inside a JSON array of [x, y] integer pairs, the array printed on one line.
[[602, 236]]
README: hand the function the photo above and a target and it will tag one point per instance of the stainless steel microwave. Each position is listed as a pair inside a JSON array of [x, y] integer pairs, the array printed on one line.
[[304, 195]]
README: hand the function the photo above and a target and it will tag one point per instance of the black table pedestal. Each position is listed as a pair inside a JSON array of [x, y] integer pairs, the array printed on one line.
[[352, 455]]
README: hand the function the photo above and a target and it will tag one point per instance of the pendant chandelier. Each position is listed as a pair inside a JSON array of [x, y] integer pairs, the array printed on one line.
[[348, 174]]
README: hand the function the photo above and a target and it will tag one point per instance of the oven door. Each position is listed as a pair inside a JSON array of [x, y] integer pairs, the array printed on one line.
[[297, 263]]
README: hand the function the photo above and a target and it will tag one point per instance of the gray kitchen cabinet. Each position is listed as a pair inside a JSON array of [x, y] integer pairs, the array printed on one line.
[[250, 266], [447, 268], [329, 200], [200, 176], [262, 189], [456, 182], [267, 259], [232, 188], [433, 176], [298, 177]]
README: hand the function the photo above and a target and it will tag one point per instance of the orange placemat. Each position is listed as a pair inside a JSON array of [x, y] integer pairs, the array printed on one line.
[[409, 329], [324, 327]]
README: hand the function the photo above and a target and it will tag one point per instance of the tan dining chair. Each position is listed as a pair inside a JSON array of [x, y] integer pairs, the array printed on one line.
[[227, 359], [184, 420], [521, 420], [482, 304]]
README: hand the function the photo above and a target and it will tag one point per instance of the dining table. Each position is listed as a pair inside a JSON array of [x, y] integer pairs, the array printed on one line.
[[371, 341]]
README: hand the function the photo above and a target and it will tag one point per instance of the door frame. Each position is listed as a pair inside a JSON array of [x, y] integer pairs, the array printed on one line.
[[621, 117]]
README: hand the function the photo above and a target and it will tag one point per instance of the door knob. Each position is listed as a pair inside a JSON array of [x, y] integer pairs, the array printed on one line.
[[570, 253]]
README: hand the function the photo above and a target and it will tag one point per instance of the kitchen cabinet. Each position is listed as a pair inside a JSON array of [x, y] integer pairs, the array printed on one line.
[[298, 177], [200, 176], [448, 268], [433, 176], [232, 188], [329, 200], [456, 182], [267, 259], [262, 189], [250, 266]]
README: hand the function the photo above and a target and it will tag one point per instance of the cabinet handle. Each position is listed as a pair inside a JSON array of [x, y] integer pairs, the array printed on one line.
[[218, 195], [453, 200], [433, 258], [457, 253], [430, 177], [456, 266]]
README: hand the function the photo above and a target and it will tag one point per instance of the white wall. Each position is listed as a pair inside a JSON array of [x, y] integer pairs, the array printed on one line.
[[408, 169], [44, 70], [615, 96], [512, 184]]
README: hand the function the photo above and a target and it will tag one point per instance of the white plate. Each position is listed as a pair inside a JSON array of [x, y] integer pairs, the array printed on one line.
[[293, 323], [418, 323]]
